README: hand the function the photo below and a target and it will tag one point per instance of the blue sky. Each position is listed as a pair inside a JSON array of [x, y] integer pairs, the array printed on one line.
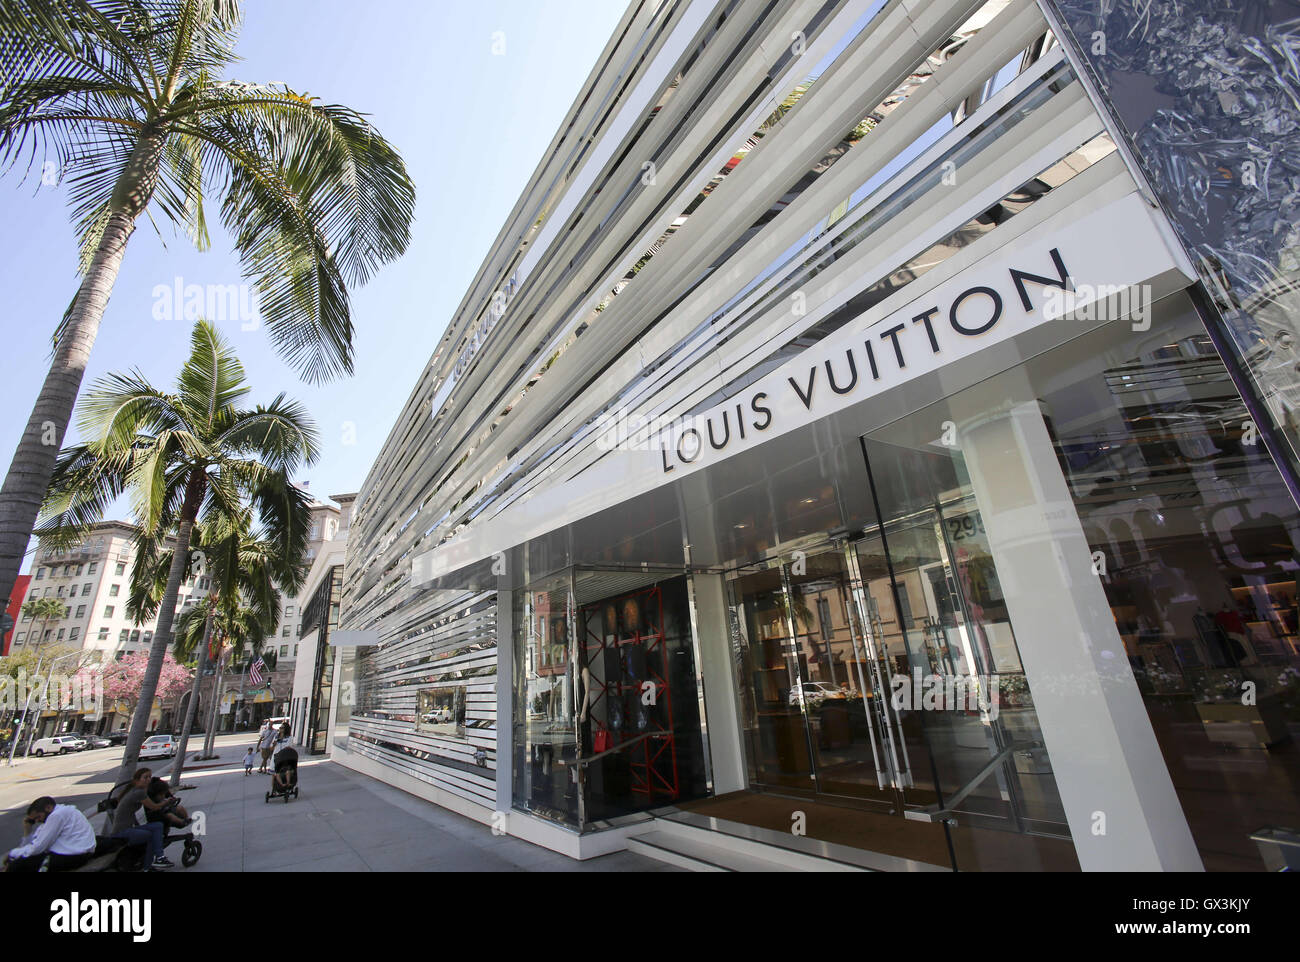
[[471, 125]]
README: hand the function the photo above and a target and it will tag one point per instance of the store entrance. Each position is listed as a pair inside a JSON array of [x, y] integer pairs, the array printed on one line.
[[940, 618], [882, 673], [815, 699]]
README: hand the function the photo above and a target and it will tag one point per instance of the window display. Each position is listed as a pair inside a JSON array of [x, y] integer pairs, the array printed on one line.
[[441, 711]]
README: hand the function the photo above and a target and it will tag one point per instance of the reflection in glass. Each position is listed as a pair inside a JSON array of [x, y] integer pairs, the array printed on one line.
[[545, 729], [440, 711]]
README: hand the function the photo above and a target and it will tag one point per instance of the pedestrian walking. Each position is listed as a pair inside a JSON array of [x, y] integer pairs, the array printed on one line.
[[249, 757], [266, 742]]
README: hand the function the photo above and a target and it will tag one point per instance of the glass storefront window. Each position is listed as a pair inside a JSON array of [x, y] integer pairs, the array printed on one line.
[[1194, 542], [545, 728]]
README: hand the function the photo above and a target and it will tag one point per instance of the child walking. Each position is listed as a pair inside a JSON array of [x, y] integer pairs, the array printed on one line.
[[249, 757]]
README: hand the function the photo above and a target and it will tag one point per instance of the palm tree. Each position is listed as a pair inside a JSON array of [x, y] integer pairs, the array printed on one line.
[[129, 98], [245, 570], [46, 609], [185, 455]]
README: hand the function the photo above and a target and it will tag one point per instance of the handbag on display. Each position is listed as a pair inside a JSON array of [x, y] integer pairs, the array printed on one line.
[[600, 741]]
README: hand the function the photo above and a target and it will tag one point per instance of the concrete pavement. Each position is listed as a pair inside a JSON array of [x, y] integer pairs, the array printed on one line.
[[340, 822]]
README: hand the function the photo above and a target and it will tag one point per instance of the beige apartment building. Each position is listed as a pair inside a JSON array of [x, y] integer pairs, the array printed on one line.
[[93, 580]]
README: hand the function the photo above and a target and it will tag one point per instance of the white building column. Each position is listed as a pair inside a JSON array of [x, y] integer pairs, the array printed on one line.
[[711, 624], [1120, 802]]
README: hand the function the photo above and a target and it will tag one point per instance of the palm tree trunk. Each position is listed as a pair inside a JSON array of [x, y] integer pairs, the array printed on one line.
[[162, 639], [191, 710], [210, 736], [33, 463]]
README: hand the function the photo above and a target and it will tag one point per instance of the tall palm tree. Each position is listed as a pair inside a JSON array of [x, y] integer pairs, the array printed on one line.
[[246, 572], [129, 99], [184, 455], [46, 609]]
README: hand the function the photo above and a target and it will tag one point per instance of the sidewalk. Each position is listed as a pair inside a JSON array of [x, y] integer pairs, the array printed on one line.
[[342, 821]]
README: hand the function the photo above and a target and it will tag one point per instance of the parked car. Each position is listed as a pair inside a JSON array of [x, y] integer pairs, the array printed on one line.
[[57, 745], [814, 692], [158, 746], [118, 737], [99, 741]]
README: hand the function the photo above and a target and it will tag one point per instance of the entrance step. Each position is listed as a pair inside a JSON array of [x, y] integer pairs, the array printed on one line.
[[703, 850], [688, 853]]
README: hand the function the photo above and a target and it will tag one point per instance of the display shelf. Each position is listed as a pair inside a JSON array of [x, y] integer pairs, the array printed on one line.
[[653, 760]]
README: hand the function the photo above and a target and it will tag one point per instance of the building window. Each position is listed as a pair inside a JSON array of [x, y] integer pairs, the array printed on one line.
[[47, 592], [80, 569], [285, 632], [108, 611], [60, 635], [94, 565], [40, 573], [21, 635], [113, 590], [122, 636], [81, 611], [135, 637], [121, 569], [74, 634], [85, 589], [117, 656], [295, 651], [284, 650], [288, 610], [148, 637], [103, 634], [48, 633]]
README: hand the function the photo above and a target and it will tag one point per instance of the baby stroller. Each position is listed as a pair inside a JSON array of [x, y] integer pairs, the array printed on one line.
[[114, 854], [284, 782]]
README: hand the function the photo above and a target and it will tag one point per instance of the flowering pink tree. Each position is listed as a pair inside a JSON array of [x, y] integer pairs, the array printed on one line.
[[122, 679]]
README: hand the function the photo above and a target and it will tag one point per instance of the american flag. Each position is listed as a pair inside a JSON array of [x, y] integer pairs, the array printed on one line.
[[255, 673]]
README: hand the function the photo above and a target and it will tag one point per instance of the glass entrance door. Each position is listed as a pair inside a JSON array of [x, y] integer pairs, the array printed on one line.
[[815, 701], [966, 717]]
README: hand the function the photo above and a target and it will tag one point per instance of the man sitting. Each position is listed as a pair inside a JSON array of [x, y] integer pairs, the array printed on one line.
[[57, 834]]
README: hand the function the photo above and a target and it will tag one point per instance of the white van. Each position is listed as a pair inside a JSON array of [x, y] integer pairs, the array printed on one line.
[[58, 745]]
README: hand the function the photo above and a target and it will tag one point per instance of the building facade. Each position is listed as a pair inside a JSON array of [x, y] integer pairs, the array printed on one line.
[[14, 610], [318, 689], [92, 579], [836, 456]]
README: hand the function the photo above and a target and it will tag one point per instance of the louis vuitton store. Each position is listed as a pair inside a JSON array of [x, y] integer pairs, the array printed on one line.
[[906, 520]]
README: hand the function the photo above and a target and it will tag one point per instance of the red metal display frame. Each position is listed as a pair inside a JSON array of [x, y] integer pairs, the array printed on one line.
[[644, 758]]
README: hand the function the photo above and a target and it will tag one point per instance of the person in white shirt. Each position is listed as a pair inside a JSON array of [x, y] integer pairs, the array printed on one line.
[[55, 833], [266, 742]]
